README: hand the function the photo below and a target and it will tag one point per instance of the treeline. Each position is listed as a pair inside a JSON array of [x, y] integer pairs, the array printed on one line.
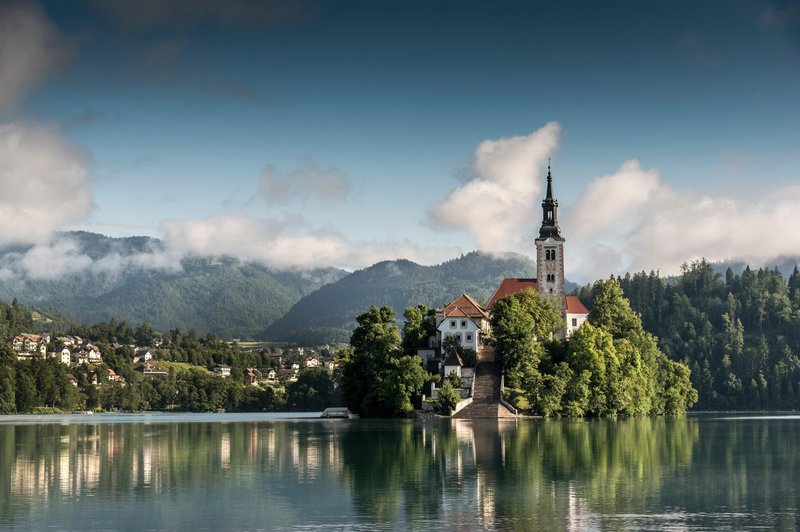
[[49, 386], [610, 366], [738, 333]]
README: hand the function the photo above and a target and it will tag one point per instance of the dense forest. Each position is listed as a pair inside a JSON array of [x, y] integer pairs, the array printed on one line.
[[738, 333]]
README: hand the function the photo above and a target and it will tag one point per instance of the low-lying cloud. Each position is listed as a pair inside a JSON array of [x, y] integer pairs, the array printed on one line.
[[497, 204], [286, 244], [631, 220]]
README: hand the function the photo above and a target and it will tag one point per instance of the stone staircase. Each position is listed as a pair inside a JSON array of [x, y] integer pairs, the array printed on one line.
[[486, 389]]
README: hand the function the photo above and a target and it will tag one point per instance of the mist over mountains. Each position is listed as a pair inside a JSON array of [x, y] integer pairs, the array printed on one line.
[[93, 278], [120, 278]]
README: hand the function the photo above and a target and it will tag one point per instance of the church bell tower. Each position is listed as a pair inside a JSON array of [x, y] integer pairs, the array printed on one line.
[[550, 249]]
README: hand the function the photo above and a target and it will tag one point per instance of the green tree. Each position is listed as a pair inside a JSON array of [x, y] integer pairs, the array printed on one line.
[[611, 311], [547, 321], [313, 391], [7, 395], [512, 327], [455, 380], [377, 380], [26, 395], [447, 397], [418, 327]]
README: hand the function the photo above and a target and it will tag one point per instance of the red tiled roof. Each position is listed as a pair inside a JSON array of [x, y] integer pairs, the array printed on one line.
[[574, 305], [465, 306], [511, 286]]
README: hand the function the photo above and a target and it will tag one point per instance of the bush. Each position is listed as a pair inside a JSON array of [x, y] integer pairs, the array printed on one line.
[[447, 398]]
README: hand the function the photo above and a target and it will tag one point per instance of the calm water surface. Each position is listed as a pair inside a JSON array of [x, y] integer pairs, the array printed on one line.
[[270, 472]]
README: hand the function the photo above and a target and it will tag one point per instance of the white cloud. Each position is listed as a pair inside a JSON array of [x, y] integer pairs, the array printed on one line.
[[44, 182], [498, 203], [50, 261], [30, 47], [284, 245], [632, 220], [305, 182], [64, 256]]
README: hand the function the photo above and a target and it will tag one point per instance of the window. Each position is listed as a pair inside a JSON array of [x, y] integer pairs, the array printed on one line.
[[550, 215], [574, 322], [463, 323], [452, 324], [469, 337]]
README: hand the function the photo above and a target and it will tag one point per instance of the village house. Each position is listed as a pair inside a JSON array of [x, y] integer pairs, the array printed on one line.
[[287, 375], [88, 354], [463, 318], [113, 377], [311, 362], [70, 341], [29, 345], [251, 376], [271, 374], [142, 354], [64, 356], [152, 369], [222, 370], [453, 363]]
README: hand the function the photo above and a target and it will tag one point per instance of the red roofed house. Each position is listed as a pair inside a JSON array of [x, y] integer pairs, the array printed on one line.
[[465, 318], [575, 313], [549, 267]]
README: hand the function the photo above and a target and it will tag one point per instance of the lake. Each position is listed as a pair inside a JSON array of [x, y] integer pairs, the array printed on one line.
[[273, 472]]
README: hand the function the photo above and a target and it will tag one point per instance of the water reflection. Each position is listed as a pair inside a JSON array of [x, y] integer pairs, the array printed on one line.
[[519, 475]]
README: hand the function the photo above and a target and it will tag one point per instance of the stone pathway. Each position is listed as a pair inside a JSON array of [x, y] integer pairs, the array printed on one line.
[[486, 392]]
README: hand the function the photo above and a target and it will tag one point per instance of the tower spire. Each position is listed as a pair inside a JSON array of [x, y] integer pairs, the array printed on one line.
[[550, 210]]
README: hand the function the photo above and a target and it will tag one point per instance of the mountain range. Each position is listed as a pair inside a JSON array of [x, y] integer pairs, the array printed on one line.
[[222, 296], [330, 312], [93, 278], [98, 278]]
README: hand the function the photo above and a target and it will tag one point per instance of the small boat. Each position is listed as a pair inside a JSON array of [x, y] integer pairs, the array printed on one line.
[[338, 412]]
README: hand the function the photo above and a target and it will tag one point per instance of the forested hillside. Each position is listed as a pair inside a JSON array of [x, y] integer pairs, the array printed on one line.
[[218, 295], [739, 334], [329, 314]]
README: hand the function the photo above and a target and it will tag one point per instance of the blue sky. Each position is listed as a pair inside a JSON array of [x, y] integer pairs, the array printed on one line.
[[302, 134]]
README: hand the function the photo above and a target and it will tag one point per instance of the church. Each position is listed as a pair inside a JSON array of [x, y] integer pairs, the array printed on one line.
[[465, 318]]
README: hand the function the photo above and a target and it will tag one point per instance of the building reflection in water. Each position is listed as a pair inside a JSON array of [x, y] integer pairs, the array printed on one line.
[[559, 475]]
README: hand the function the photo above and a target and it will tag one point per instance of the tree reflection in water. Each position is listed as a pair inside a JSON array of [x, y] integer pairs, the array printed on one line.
[[526, 474]]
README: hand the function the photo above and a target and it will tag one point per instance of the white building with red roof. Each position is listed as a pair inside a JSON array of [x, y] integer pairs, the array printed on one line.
[[464, 318]]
